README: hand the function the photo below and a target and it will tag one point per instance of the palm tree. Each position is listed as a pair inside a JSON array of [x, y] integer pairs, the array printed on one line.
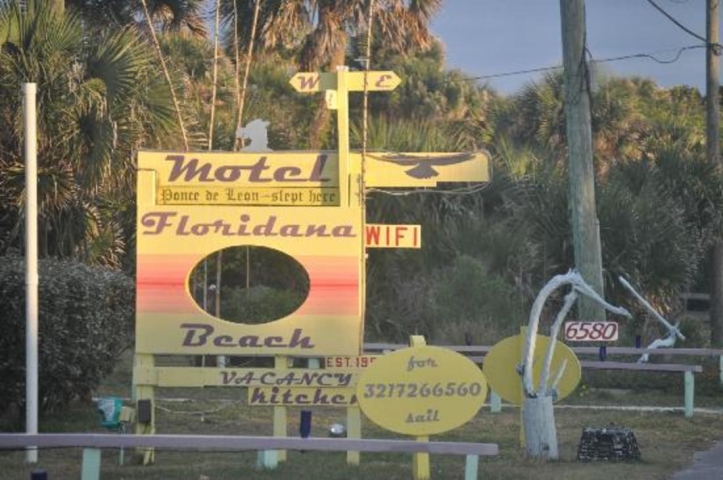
[[183, 16], [658, 201], [318, 32], [99, 99]]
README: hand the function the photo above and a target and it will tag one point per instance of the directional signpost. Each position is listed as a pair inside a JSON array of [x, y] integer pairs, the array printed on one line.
[[307, 82]]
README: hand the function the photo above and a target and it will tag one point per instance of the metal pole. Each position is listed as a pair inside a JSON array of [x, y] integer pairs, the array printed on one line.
[[31, 266]]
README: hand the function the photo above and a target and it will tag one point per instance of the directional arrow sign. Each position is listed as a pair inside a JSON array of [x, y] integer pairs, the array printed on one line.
[[307, 82]]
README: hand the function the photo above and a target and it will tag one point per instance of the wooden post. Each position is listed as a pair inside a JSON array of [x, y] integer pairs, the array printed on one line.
[[342, 121], [269, 459], [145, 392], [420, 464], [581, 199], [280, 412], [353, 430]]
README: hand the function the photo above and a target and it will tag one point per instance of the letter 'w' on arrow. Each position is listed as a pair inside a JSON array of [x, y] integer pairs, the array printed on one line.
[[308, 82]]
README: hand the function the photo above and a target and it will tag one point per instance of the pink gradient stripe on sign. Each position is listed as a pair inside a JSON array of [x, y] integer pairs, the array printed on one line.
[[161, 283], [334, 284]]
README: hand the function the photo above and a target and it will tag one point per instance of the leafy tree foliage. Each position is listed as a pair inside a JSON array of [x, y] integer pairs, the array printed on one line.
[[99, 99], [85, 321], [658, 199]]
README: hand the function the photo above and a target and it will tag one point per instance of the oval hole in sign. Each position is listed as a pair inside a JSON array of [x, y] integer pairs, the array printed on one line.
[[257, 284]]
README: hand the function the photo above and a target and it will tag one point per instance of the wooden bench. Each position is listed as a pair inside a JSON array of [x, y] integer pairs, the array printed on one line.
[[689, 352], [688, 371], [93, 443]]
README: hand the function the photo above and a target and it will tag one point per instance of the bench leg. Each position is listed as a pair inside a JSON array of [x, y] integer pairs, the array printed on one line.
[[689, 392], [720, 369], [91, 464], [470, 467], [267, 459], [353, 430], [495, 402]]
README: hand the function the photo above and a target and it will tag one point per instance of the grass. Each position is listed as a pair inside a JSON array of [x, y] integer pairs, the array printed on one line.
[[667, 440]]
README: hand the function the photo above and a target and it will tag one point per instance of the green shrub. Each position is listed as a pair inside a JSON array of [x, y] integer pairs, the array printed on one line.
[[468, 300], [85, 321], [259, 304], [462, 301]]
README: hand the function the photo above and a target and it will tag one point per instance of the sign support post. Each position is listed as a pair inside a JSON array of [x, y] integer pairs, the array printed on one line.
[[420, 464], [145, 425]]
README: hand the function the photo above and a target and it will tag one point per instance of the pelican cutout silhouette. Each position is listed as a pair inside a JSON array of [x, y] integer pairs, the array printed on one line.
[[422, 167]]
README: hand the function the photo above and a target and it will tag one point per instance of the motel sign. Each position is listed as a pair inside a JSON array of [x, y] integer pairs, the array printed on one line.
[[308, 205]]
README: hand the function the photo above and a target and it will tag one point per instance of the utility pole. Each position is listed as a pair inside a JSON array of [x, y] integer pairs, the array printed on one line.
[[581, 176], [712, 150]]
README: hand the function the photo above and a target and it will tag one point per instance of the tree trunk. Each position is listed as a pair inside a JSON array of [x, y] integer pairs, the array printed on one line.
[[166, 73], [540, 430], [215, 75], [241, 94]]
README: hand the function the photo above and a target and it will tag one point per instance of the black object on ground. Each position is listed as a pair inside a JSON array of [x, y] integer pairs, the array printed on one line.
[[611, 444]]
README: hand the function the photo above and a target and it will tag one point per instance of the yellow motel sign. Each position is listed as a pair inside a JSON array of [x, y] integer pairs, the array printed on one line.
[[193, 204]]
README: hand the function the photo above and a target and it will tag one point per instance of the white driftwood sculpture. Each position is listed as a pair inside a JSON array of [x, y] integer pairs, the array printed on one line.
[[538, 411], [673, 331]]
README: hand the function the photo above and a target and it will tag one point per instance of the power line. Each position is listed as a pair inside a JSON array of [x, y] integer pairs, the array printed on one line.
[[680, 25], [650, 56], [516, 72]]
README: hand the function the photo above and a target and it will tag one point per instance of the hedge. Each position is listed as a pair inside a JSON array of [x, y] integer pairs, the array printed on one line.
[[85, 321]]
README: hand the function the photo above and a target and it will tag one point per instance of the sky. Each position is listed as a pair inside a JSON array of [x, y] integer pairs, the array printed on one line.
[[489, 37]]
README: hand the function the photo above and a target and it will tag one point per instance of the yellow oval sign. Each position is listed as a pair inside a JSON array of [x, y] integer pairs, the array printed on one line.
[[421, 390], [500, 367]]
